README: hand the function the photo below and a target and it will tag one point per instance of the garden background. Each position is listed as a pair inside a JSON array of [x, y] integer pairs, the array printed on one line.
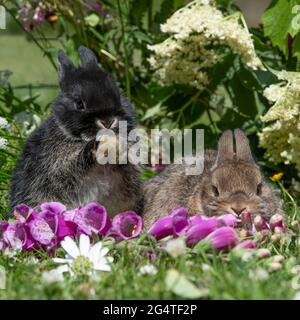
[[230, 70]]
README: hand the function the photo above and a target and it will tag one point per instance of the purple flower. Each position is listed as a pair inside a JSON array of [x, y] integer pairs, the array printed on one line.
[[247, 244], [22, 212], [260, 223], [17, 236], [223, 238], [170, 225], [48, 227], [200, 230], [54, 207], [3, 227], [276, 221], [126, 225], [228, 220], [92, 218]]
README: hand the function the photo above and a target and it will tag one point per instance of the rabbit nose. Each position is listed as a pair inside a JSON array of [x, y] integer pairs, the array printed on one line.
[[105, 123], [238, 211]]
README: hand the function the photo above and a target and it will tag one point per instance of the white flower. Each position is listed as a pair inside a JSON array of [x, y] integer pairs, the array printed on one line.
[[54, 275], [3, 123], [296, 282], [175, 247], [3, 143], [206, 267], [259, 274], [85, 259], [196, 31], [148, 269]]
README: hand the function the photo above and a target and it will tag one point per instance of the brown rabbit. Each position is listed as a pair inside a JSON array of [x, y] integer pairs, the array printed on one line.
[[230, 183]]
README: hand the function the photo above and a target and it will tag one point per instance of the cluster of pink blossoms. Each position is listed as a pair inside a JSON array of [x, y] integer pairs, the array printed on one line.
[[47, 225]]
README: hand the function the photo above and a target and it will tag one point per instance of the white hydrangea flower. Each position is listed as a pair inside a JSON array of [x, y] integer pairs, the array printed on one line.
[[3, 143], [281, 133], [189, 52], [3, 123]]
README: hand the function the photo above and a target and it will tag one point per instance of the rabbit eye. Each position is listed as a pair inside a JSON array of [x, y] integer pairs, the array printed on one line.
[[258, 189], [79, 105], [215, 191]]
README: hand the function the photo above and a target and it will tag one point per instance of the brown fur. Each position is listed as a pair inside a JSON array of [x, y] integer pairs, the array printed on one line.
[[230, 183]]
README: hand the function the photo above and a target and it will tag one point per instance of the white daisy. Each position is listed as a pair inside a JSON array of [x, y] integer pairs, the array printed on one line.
[[85, 259]]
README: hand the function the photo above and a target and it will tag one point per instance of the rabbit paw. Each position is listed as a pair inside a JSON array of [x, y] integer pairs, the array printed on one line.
[[108, 150]]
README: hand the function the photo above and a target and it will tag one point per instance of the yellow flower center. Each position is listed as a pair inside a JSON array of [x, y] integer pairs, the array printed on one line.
[[82, 265]]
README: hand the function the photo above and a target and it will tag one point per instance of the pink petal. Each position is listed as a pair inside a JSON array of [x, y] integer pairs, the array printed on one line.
[[223, 238]]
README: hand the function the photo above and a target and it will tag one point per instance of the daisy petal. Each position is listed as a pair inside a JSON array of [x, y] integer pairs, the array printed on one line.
[[104, 252], [94, 253], [84, 245], [60, 260], [102, 267], [70, 247]]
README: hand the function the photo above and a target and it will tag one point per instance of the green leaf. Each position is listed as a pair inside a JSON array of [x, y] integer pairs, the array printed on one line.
[[180, 285], [277, 22], [92, 20]]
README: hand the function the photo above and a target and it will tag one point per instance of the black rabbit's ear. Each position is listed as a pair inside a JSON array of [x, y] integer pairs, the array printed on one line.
[[65, 65], [242, 146], [87, 57], [225, 148]]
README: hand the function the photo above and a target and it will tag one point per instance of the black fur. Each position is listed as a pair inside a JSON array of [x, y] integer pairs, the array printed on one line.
[[57, 163]]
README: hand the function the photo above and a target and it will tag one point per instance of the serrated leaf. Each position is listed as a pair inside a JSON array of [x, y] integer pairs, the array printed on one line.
[[277, 22], [181, 286]]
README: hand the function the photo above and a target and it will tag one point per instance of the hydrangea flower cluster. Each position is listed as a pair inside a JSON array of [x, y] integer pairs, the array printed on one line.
[[281, 134], [197, 31], [48, 225]]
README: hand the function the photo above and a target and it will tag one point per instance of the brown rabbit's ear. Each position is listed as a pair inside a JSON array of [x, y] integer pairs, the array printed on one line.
[[242, 146], [225, 148]]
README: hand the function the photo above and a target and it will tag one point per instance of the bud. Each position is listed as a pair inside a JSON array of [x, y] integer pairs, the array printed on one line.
[[275, 266], [276, 221], [244, 233], [262, 235], [276, 237], [280, 230], [295, 226], [263, 253], [260, 223], [246, 218], [278, 258], [247, 244]]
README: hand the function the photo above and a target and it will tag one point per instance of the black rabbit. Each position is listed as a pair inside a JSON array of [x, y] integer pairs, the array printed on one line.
[[59, 160]]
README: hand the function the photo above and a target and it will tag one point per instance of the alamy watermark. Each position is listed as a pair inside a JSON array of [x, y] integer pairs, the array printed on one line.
[[2, 18], [155, 146], [2, 278]]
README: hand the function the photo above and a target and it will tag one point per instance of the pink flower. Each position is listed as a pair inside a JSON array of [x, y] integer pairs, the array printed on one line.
[[172, 224], [260, 224], [247, 244], [276, 221], [228, 220], [92, 218], [223, 238], [200, 230], [17, 236], [126, 225]]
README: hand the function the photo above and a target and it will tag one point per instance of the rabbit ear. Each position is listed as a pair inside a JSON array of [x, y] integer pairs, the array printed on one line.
[[87, 57], [225, 148], [242, 146], [64, 64]]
